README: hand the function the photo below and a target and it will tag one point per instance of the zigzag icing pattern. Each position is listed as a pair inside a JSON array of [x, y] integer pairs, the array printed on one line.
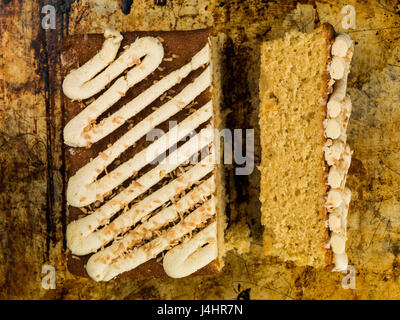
[[141, 232]]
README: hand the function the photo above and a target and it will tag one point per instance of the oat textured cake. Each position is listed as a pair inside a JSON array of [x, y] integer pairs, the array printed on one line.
[[145, 188], [304, 112]]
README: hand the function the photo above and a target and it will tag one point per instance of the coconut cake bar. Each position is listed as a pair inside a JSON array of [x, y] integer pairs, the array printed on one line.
[[304, 112], [144, 187]]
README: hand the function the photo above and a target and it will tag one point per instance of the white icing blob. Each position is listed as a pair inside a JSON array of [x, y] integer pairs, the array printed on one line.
[[337, 68], [192, 255], [341, 45]]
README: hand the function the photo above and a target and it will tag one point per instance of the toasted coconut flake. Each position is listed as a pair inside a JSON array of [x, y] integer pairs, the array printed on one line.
[[103, 156]]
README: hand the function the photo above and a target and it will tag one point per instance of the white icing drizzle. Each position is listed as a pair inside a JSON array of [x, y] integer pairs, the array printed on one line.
[[80, 133], [99, 262], [78, 84], [128, 248], [149, 250], [83, 239], [337, 152], [192, 255], [84, 189]]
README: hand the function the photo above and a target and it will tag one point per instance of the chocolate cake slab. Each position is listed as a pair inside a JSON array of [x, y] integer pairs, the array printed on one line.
[[143, 183]]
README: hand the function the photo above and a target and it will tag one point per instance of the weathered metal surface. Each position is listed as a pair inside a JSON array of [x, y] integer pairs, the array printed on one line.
[[32, 201]]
